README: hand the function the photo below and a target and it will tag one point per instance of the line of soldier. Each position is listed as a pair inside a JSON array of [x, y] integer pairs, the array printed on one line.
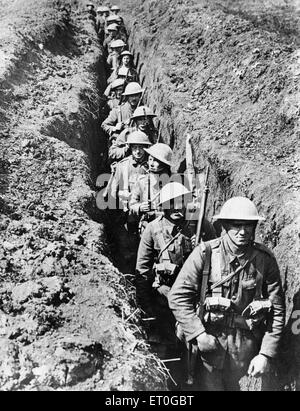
[[220, 302]]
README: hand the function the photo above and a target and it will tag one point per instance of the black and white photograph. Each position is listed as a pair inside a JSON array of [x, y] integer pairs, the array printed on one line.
[[150, 198]]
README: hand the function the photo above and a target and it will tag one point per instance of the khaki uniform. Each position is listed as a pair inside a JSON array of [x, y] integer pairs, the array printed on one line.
[[100, 28], [113, 60], [148, 188], [120, 114], [124, 224], [153, 286], [126, 175], [119, 150], [238, 344]]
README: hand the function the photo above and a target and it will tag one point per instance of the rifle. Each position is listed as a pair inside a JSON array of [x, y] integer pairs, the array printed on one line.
[[193, 350], [202, 208], [189, 165], [138, 105]]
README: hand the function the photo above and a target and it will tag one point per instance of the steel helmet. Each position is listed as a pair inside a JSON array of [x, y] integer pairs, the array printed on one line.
[[126, 53], [115, 8], [112, 27], [161, 152], [100, 9], [239, 208], [171, 191], [143, 111], [90, 4], [117, 43], [138, 137], [112, 18], [105, 9], [133, 88], [117, 83]]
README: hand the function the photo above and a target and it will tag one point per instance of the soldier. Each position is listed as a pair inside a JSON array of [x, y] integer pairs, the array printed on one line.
[[144, 201], [126, 69], [165, 245], [115, 10], [241, 312], [142, 119], [106, 12], [100, 24], [112, 35], [130, 168], [120, 117], [114, 93], [126, 174], [116, 46], [91, 11]]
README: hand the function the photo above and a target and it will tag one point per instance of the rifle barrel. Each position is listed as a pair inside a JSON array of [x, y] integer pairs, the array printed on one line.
[[203, 208]]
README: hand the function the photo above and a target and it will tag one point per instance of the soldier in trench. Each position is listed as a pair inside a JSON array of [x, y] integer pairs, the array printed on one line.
[[114, 93], [142, 119], [144, 202], [126, 174], [116, 46], [119, 117], [165, 245], [100, 24], [125, 69], [239, 321]]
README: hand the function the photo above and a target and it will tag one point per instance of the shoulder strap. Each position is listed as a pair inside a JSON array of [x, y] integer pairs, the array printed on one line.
[[231, 275], [119, 114], [205, 277], [161, 241]]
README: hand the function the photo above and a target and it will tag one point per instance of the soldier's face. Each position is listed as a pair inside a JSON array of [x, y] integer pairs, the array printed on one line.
[[240, 232], [177, 210], [155, 166], [134, 99], [126, 61], [138, 152], [106, 13], [142, 123], [118, 92]]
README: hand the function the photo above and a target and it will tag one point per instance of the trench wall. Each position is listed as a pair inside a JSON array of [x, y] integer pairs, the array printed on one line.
[[215, 70], [68, 320]]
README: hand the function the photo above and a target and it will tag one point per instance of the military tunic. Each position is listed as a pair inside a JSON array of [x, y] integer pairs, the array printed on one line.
[[237, 346], [120, 114]]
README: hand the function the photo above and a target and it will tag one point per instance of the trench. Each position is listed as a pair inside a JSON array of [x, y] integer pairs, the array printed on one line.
[[231, 172], [224, 170]]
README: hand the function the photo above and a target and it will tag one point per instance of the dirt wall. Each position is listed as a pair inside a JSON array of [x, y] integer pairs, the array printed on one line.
[[68, 319], [228, 72]]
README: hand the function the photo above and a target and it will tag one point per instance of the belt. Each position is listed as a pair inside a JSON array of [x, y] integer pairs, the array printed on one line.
[[228, 320]]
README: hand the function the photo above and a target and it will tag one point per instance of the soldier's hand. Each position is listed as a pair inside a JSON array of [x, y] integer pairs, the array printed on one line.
[[193, 240], [145, 207], [207, 342], [259, 366], [119, 126]]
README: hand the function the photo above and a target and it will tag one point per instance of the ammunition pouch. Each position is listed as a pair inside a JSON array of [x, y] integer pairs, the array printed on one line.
[[218, 311], [215, 310], [165, 274], [257, 313]]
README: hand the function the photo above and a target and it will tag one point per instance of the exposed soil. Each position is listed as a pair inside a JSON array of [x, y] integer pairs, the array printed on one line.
[[228, 72], [68, 319]]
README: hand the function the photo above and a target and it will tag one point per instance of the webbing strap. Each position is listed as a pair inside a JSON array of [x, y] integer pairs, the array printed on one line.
[[205, 277], [162, 244], [231, 275]]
